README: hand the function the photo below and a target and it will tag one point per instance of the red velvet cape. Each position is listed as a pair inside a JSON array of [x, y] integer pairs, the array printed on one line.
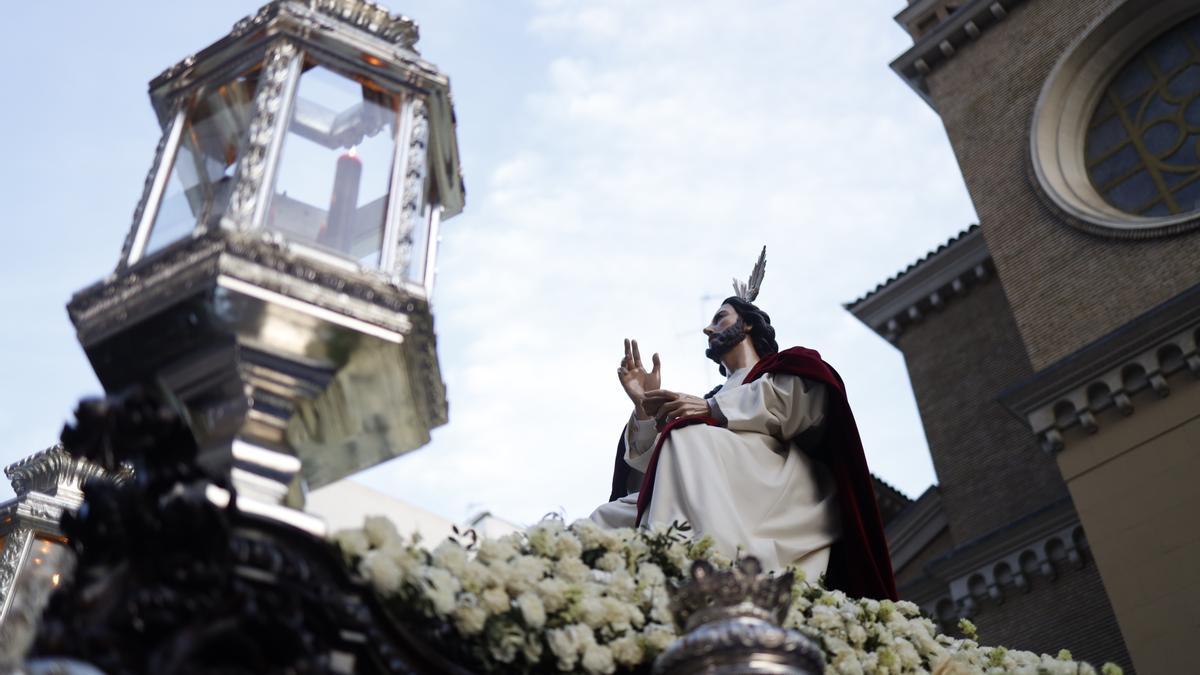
[[859, 563]]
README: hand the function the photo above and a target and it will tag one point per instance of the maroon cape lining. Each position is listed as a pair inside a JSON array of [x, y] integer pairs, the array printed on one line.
[[859, 563]]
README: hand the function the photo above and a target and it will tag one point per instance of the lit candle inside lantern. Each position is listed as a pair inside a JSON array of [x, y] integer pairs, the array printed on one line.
[[343, 203]]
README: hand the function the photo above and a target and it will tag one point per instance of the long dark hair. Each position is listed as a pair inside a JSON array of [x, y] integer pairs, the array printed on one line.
[[762, 334]]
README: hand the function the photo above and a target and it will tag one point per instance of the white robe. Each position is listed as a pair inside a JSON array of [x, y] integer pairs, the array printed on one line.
[[746, 484]]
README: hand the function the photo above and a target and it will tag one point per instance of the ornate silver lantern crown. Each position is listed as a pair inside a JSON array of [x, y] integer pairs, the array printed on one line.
[[742, 590], [275, 281], [732, 625]]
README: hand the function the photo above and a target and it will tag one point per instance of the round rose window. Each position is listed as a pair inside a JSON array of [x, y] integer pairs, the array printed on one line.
[[1142, 148]]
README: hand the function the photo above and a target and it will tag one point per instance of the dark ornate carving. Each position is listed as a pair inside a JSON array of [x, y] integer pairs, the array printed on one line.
[[172, 578]]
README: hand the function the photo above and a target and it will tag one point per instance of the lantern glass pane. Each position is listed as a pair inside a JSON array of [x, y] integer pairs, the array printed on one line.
[[335, 169], [49, 563], [202, 171]]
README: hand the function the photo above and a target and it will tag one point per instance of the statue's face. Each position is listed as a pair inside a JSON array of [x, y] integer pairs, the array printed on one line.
[[725, 332], [725, 317]]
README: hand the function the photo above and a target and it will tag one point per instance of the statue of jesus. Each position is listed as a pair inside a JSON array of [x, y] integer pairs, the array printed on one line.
[[769, 464]]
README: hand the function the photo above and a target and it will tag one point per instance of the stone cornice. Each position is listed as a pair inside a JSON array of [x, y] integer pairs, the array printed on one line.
[[927, 285], [1141, 355], [939, 45]]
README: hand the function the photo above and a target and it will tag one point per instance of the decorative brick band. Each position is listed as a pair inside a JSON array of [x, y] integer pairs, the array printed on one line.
[[1144, 354]]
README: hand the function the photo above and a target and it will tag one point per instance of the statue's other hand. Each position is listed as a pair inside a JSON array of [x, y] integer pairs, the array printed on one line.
[[675, 406], [655, 399]]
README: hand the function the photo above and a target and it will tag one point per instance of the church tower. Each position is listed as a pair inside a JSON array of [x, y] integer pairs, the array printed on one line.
[[1053, 349]]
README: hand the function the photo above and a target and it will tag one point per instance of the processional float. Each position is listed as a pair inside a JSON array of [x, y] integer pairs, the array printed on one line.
[[267, 330]]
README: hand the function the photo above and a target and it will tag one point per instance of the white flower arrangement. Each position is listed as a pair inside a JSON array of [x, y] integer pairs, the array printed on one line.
[[582, 599]]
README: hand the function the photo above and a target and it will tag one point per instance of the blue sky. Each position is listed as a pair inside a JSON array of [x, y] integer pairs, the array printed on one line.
[[624, 159]]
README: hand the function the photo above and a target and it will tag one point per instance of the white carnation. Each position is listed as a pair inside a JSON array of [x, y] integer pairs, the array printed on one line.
[[622, 585], [440, 588], [543, 537], [567, 545], [380, 531], [592, 611], [649, 574], [616, 614], [382, 571], [598, 659], [553, 593], [627, 650], [470, 620], [857, 634], [658, 636], [352, 542], [532, 610], [523, 573], [451, 556], [475, 577], [496, 550], [589, 533], [504, 643], [846, 663], [566, 643], [611, 562], [533, 647], [571, 569], [660, 606], [677, 554], [495, 600]]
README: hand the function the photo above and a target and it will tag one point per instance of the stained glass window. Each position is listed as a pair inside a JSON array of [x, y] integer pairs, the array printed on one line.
[[1143, 143]]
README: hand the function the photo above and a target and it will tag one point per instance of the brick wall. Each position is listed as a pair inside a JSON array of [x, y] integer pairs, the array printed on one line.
[[990, 469], [1067, 288]]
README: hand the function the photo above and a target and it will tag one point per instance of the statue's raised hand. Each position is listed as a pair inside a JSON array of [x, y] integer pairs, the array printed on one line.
[[634, 378]]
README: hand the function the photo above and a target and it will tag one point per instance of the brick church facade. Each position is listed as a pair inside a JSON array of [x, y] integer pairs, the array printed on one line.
[[1052, 348]]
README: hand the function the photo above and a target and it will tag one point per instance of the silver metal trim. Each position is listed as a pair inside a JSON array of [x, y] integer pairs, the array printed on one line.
[[153, 199], [17, 545], [282, 120], [281, 300], [387, 261], [435, 223]]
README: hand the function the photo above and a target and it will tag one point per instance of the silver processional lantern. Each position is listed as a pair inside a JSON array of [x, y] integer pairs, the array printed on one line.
[[275, 282]]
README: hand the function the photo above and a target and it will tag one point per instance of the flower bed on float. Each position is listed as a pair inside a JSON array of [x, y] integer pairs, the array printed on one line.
[[586, 600]]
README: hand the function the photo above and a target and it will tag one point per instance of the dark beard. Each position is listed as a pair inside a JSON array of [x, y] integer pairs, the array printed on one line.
[[720, 343]]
